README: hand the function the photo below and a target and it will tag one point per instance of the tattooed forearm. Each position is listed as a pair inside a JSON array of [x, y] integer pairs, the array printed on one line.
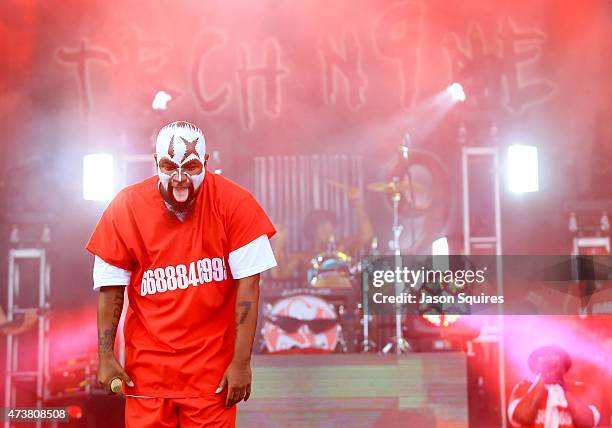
[[246, 306], [117, 309], [241, 314], [247, 299], [106, 340], [110, 306]]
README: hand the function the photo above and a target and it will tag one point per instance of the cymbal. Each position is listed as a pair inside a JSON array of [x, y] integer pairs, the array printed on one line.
[[392, 186]]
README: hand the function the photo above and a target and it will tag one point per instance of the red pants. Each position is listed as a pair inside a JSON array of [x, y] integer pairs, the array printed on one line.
[[207, 412]]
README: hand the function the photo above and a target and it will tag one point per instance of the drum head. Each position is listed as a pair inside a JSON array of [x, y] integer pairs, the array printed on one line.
[[301, 323]]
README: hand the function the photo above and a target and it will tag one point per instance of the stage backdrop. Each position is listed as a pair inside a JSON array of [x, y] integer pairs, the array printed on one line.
[[307, 78]]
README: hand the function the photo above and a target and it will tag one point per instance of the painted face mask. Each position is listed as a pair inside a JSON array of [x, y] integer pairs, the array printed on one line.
[[181, 151]]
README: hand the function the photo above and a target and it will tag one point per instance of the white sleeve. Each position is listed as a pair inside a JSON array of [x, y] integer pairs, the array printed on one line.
[[255, 257], [596, 415], [105, 274]]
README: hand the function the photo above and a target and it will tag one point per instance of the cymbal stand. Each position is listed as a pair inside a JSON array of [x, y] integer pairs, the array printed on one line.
[[401, 345]]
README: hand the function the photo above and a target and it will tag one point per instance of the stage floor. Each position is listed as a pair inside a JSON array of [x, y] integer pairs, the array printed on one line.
[[358, 390]]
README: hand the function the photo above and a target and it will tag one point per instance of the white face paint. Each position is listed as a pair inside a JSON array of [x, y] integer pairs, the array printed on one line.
[[180, 143]]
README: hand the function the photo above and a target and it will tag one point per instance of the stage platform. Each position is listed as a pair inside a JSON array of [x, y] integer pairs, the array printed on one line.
[[426, 390]]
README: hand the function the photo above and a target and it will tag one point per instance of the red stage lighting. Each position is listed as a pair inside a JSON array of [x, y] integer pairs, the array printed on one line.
[[74, 411], [441, 320]]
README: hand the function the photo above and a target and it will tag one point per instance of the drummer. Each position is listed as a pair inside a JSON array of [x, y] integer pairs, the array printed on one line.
[[319, 228]]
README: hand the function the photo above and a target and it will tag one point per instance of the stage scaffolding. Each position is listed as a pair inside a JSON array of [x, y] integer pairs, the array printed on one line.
[[482, 229], [17, 376]]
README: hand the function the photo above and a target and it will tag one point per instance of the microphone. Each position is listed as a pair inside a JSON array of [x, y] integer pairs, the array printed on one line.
[[116, 385]]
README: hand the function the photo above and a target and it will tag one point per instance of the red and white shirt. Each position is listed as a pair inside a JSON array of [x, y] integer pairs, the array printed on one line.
[[179, 326], [562, 419]]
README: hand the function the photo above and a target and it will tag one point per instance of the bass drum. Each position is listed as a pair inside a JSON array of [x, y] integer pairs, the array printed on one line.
[[301, 324]]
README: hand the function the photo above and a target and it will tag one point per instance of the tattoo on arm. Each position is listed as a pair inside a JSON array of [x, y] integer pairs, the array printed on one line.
[[117, 308], [106, 339], [241, 312]]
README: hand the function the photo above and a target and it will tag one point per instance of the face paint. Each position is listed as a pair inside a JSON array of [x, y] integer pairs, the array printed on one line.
[[175, 205], [180, 148]]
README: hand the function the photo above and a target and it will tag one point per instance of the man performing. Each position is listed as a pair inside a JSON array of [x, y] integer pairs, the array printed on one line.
[[550, 401], [318, 229], [189, 245]]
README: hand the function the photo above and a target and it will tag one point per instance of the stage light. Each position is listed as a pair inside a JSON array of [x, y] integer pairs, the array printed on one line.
[[98, 177], [522, 168], [441, 320], [161, 100], [439, 247], [456, 92], [74, 411]]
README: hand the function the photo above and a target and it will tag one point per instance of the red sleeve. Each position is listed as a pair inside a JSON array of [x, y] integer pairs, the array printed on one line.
[[107, 240], [247, 221], [520, 389]]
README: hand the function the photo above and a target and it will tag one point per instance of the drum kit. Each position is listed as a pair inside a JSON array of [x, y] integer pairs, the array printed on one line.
[[327, 315]]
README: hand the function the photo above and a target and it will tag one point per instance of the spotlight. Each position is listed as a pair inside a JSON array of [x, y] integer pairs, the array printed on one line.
[[161, 100], [439, 332], [439, 247], [456, 92], [441, 320], [522, 168], [98, 177], [74, 411]]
